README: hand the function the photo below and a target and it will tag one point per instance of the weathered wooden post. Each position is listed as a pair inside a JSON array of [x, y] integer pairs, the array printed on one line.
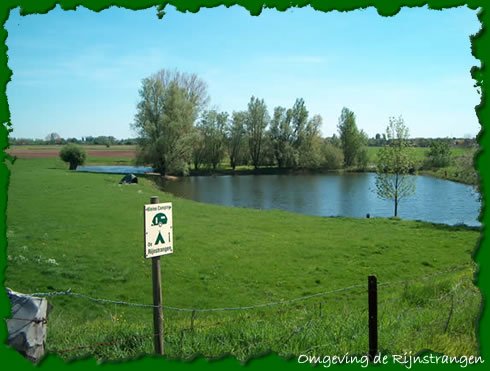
[[158, 241], [193, 316], [156, 275], [373, 316]]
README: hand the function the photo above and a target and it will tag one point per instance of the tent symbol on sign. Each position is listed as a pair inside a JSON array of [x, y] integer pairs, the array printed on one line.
[[159, 219], [159, 239]]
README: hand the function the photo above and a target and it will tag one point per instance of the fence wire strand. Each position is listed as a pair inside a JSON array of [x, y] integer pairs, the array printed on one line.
[[177, 309], [237, 308]]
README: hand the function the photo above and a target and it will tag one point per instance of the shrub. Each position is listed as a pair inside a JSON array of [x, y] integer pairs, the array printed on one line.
[[73, 154], [333, 157], [438, 155], [362, 158]]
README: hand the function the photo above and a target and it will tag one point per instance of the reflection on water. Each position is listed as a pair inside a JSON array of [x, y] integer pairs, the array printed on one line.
[[351, 195]]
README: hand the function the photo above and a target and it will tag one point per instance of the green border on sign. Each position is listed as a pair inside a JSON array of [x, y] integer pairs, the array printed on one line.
[[480, 50]]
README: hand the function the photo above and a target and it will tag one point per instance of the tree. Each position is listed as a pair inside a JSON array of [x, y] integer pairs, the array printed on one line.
[[198, 149], [194, 89], [350, 137], [88, 140], [213, 127], [439, 153], [73, 154], [170, 103], [104, 140], [295, 139], [299, 119], [394, 165], [267, 153], [335, 141], [465, 169], [362, 157], [281, 137], [235, 138], [256, 124], [310, 147], [53, 138], [333, 157]]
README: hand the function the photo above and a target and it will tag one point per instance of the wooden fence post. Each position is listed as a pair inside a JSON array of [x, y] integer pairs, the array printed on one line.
[[157, 298], [193, 315], [373, 316]]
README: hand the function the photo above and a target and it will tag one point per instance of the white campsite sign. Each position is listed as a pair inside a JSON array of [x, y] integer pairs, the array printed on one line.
[[158, 230]]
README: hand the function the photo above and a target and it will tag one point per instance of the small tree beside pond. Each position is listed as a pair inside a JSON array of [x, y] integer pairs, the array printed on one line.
[[395, 165], [73, 155]]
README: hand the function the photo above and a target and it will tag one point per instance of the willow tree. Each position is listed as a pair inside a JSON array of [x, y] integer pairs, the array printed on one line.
[[395, 165], [170, 102], [213, 126], [281, 137], [256, 123], [236, 138], [352, 140]]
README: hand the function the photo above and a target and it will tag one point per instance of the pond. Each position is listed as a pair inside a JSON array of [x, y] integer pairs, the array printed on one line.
[[349, 194]]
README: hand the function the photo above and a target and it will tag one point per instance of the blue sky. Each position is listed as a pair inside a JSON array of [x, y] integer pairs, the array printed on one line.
[[77, 73]]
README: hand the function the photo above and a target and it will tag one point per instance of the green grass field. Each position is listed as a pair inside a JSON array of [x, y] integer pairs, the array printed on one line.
[[85, 232], [418, 153], [454, 172]]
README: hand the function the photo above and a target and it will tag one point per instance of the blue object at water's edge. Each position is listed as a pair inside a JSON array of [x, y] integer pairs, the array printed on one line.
[[116, 169]]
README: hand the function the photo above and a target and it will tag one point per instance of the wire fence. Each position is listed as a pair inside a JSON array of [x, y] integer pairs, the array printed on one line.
[[68, 292], [301, 324]]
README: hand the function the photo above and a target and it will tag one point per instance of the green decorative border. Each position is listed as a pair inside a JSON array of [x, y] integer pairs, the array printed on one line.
[[480, 49]]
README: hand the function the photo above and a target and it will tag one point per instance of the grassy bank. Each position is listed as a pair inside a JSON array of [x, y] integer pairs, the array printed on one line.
[[85, 231], [459, 170]]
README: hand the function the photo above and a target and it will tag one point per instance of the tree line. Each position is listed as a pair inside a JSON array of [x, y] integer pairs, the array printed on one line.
[[178, 132], [57, 139], [378, 140]]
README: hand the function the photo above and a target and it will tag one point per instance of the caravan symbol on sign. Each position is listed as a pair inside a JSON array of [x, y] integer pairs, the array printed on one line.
[[159, 219], [158, 229]]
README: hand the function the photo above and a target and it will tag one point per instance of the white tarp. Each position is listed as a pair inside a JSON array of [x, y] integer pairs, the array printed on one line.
[[27, 326]]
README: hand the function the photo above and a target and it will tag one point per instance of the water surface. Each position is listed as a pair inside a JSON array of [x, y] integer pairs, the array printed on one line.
[[349, 194]]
